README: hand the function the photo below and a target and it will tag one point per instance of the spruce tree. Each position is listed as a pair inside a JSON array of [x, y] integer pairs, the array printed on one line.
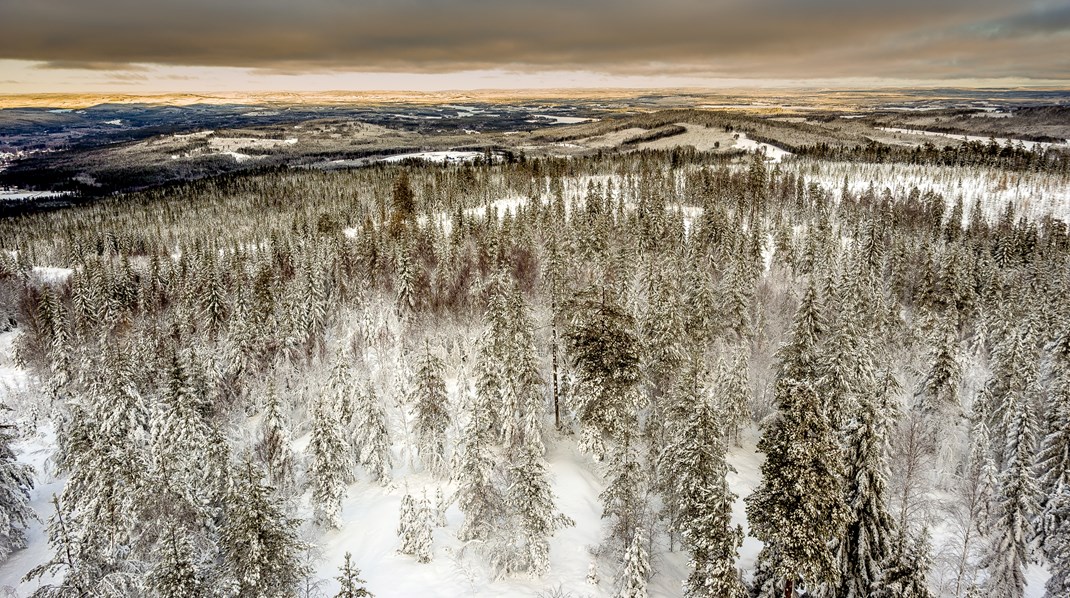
[[867, 541], [1053, 473], [605, 351], [696, 468], [799, 504], [532, 500], [352, 586], [273, 447], [16, 481], [373, 445], [329, 465], [430, 404], [259, 543], [176, 574], [1016, 504], [636, 569]]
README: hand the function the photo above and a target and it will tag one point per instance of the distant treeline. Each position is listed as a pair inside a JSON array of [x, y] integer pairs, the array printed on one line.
[[971, 153]]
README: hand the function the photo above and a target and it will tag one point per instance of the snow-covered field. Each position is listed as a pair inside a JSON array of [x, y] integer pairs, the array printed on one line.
[[438, 157], [1033, 194], [1029, 145]]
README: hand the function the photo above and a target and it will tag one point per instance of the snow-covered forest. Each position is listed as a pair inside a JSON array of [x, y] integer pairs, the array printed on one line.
[[664, 373]]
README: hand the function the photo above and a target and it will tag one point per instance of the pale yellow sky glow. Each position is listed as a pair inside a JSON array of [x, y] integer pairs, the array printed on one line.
[[33, 77]]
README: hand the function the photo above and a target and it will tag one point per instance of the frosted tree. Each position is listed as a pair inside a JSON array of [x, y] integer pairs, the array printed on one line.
[[16, 481], [507, 366], [606, 354], [735, 302], [695, 470], [260, 547], [734, 398], [905, 574], [176, 574], [351, 585], [440, 508], [273, 447], [531, 499], [414, 528], [799, 504], [373, 447], [1016, 504], [75, 568], [478, 497], [1053, 467], [329, 465], [938, 392], [636, 569], [430, 404], [867, 540]]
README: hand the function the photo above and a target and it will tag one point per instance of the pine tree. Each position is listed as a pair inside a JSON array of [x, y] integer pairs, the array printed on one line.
[[532, 500], [16, 481], [478, 497], [734, 398], [373, 446], [799, 504], [636, 569], [1053, 473], [605, 352], [939, 389], [695, 469], [905, 573], [352, 586], [414, 528], [176, 574], [273, 447], [1016, 505], [431, 412], [867, 541], [329, 465], [260, 547]]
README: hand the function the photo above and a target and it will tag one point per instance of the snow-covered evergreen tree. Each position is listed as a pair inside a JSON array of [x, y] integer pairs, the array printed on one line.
[[478, 496], [636, 569], [430, 404], [1053, 472], [351, 585], [905, 573], [273, 447], [329, 465], [1016, 503], [867, 541], [259, 543], [16, 481], [606, 354], [799, 504], [414, 528], [531, 499], [695, 467], [176, 574], [373, 447]]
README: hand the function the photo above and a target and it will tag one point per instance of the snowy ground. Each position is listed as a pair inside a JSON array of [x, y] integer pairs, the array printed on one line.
[[1000, 140], [1033, 194]]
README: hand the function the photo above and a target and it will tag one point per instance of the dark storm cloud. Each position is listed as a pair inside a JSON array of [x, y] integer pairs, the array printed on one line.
[[732, 37]]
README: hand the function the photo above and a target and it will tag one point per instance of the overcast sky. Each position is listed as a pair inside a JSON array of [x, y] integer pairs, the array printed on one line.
[[222, 45]]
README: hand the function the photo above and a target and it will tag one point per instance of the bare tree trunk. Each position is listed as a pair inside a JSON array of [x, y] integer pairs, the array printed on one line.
[[789, 588]]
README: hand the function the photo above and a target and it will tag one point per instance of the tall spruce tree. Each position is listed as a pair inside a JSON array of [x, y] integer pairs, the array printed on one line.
[[430, 404], [259, 543], [799, 504], [867, 542]]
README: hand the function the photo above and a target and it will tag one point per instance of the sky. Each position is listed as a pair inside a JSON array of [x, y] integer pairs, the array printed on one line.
[[146, 46]]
